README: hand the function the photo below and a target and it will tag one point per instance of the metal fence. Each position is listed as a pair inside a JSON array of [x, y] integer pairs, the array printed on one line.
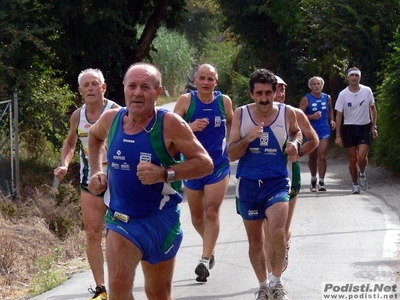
[[9, 149]]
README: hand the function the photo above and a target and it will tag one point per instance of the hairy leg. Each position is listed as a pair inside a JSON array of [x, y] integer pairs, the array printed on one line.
[[122, 259], [256, 248], [362, 157], [93, 212], [214, 195], [312, 162], [353, 163], [158, 279], [276, 217], [322, 151]]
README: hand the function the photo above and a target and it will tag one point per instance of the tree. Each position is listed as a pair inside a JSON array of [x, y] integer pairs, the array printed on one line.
[[46, 115], [339, 34], [103, 34], [174, 56], [387, 146], [45, 45], [20, 43], [201, 24], [222, 55], [302, 38], [256, 28]]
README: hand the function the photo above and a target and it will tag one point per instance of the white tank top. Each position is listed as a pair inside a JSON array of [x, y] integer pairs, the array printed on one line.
[[83, 133]]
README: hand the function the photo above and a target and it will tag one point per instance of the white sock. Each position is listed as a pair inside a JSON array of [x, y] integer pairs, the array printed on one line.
[[268, 277], [273, 280], [264, 284]]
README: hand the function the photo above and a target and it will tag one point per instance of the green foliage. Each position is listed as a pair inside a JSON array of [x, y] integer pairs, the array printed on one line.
[[37, 165], [45, 114], [10, 209], [201, 24], [20, 42], [240, 90], [387, 146], [103, 34], [298, 39], [47, 278], [174, 56], [70, 36], [222, 55], [339, 34]]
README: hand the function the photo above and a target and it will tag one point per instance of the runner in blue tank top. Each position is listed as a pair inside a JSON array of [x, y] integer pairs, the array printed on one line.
[[143, 217], [318, 108], [209, 114], [294, 168], [264, 137]]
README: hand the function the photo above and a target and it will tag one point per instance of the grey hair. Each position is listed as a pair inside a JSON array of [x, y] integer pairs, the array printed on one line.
[[90, 70], [316, 77]]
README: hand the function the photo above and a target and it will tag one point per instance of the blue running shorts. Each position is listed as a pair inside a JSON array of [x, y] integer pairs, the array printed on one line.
[[158, 236], [216, 176], [253, 197], [324, 132]]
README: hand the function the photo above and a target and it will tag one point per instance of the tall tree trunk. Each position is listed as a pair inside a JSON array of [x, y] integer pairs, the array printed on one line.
[[150, 30]]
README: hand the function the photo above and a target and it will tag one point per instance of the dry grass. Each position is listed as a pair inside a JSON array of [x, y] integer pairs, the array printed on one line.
[[46, 227]]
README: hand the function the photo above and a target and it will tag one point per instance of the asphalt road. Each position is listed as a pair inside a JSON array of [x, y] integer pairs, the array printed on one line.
[[340, 242]]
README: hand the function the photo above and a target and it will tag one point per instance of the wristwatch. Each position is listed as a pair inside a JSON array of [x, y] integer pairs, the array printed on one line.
[[169, 175]]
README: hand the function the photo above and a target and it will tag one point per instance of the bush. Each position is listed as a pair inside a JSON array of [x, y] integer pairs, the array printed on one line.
[[387, 146], [174, 56]]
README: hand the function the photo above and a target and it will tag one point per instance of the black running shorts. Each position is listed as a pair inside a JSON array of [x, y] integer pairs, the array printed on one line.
[[354, 135]]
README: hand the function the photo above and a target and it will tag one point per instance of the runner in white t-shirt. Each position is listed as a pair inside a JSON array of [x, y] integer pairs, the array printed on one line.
[[356, 106]]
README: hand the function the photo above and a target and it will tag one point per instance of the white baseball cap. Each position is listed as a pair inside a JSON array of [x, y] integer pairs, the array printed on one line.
[[280, 80]]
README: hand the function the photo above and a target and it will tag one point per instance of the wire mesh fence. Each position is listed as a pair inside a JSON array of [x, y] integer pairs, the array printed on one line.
[[6, 148]]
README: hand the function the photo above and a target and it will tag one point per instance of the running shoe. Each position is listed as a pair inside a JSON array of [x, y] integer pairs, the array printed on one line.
[[313, 185], [286, 261], [261, 294], [278, 292], [212, 260], [202, 272], [356, 188], [321, 186], [363, 182], [99, 292]]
